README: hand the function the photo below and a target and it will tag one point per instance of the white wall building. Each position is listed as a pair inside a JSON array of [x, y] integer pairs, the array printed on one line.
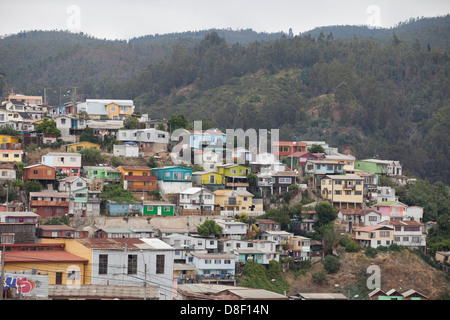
[[196, 198], [126, 150]]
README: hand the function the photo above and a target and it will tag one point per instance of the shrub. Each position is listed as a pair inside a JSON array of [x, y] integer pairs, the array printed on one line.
[[371, 252], [352, 246], [319, 276], [395, 247], [331, 264]]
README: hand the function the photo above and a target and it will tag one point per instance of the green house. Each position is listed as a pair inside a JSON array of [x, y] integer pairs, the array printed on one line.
[[107, 174], [374, 166], [158, 208]]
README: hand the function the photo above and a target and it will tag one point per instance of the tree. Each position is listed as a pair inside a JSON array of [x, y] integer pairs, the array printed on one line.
[[178, 121], [48, 126], [316, 148], [331, 264], [91, 157], [33, 186], [326, 214], [118, 194], [88, 135], [209, 227], [131, 123], [8, 129]]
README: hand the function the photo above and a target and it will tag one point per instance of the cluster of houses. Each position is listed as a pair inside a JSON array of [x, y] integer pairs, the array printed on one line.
[[161, 260]]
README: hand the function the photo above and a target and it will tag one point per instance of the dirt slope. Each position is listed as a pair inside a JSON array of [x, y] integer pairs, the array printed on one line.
[[399, 270]]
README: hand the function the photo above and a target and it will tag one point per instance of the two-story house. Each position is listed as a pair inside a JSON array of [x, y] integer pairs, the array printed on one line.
[[49, 204], [374, 166], [7, 171], [173, 179], [232, 229], [374, 236], [286, 149], [198, 200], [139, 261], [234, 176], [147, 140], [107, 108], [299, 247], [213, 265], [46, 175], [315, 170], [343, 190], [106, 174], [138, 178], [233, 202], [64, 163], [185, 244], [208, 179], [281, 181], [409, 234]]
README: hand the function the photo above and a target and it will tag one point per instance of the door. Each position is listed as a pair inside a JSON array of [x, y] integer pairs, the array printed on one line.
[[159, 210]]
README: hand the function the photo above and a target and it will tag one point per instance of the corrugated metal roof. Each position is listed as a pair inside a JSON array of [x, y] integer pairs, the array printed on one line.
[[104, 291], [42, 256]]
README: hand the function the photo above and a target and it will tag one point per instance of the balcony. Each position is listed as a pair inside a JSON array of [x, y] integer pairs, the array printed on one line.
[[40, 203], [142, 188], [140, 178], [236, 184]]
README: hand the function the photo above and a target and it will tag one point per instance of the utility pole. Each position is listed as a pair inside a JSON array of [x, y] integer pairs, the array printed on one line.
[[2, 255]]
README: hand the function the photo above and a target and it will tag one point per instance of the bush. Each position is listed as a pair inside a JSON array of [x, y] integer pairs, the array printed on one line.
[[319, 276], [371, 252], [331, 264], [352, 246], [395, 247]]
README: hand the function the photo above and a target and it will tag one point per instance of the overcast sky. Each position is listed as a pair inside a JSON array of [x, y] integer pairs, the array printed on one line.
[[126, 19]]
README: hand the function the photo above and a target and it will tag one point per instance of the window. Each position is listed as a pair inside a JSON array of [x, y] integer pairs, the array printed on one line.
[[217, 261], [337, 192], [338, 182], [58, 278], [160, 263], [348, 192], [132, 264], [103, 264], [285, 180], [384, 234], [358, 193]]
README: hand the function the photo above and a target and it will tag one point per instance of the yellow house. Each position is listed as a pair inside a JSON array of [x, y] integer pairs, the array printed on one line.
[[207, 178], [50, 258], [347, 159], [11, 155], [118, 110], [75, 147], [8, 139], [235, 200], [347, 190]]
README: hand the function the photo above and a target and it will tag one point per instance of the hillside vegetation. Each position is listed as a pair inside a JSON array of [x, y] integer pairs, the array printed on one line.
[[384, 93]]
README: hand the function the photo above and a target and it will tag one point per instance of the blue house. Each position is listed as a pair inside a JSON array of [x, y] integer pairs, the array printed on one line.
[[172, 174], [115, 209], [173, 179]]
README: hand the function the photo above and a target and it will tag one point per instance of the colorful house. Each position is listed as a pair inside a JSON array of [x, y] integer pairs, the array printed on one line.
[[377, 167], [47, 259], [11, 155], [46, 175], [115, 209], [173, 179], [199, 139], [107, 109], [158, 208], [107, 174], [288, 148], [343, 190], [234, 176], [391, 210], [210, 180], [374, 236], [235, 201], [49, 204], [65, 163], [138, 178], [76, 147], [300, 158], [8, 139]]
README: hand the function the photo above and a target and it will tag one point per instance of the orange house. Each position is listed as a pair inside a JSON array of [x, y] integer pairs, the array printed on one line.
[[288, 148], [138, 178]]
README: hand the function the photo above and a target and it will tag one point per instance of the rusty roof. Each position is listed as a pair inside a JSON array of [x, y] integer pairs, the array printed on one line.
[[42, 256]]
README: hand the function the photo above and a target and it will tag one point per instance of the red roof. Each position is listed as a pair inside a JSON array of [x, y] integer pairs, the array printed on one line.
[[42, 256]]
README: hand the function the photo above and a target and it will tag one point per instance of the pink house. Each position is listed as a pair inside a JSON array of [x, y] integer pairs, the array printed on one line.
[[391, 210]]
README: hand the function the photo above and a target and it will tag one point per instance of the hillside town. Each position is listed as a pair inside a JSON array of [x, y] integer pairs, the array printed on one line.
[[98, 206]]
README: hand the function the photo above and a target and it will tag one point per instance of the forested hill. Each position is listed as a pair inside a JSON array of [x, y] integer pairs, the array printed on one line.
[[385, 97]]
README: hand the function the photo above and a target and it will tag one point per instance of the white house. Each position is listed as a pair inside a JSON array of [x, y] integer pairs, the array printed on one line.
[[232, 229], [265, 249], [126, 150], [132, 261], [63, 124], [64, 162], [196, 198], [147, 139], [279, 237], [72, 183], [408, 234], [213, 264], [185, 244]]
